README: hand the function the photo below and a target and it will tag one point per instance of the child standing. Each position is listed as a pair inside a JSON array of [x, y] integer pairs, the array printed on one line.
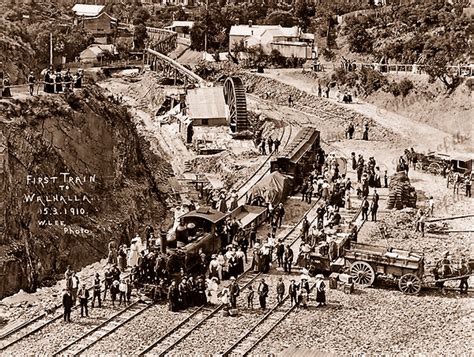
[[250, 296]]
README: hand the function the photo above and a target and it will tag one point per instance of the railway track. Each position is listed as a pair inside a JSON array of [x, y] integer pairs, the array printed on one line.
[[101, 330], [249, 340], [178, 333], [30, 327], [263, 169], [253, 336]]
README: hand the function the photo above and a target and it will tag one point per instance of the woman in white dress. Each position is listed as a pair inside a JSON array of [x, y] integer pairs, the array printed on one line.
[[211, 291], [133, 255]]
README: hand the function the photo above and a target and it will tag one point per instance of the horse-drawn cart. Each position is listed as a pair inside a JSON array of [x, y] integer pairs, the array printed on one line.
[[366, 261]]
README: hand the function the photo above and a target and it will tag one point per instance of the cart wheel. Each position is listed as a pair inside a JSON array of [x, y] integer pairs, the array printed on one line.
[[409, 284], [435, 168], [362, 273]]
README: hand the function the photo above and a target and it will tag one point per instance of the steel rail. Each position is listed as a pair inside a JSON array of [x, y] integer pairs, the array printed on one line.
[[213, 312], [101, 325], [36, 329]]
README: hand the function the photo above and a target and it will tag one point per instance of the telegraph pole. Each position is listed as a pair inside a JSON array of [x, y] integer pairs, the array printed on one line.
[[205, 33], [51, 48]]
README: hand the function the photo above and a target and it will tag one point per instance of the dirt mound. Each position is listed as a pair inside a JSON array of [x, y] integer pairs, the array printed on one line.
[[428, 103], [328, 112]]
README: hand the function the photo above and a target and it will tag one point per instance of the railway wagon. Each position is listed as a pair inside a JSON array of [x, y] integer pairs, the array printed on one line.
[[297, 159]]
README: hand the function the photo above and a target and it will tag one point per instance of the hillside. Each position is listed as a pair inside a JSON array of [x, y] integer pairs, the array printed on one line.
[[74, 175]]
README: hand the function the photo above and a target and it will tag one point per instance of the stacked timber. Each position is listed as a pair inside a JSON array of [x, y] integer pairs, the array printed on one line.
[[401, 193]]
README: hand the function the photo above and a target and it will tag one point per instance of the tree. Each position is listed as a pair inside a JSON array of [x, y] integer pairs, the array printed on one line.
[[141, 16], [282, 18], [360, 40], [440, 52], [302, 14], [139, 36]]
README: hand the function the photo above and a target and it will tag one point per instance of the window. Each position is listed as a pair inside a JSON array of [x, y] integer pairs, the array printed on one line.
[[205, 122]]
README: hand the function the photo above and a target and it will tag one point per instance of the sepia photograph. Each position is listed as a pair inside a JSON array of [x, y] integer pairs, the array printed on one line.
[[236, 178]]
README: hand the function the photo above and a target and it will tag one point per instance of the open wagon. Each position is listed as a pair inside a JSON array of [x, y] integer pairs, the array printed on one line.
[[433, 163], [366, 261]]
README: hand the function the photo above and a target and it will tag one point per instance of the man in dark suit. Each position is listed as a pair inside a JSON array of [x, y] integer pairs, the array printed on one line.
[[288, 259], [234, 292], [293, 292], [67, 304], [262, 294]]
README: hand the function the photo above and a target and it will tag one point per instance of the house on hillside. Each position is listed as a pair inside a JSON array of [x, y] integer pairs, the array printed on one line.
[[181, 27], [290, 41], [97, 53], [87, 10], [95, 21], [102, 24]]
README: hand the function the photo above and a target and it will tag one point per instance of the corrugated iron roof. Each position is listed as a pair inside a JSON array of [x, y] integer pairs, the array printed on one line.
[[258, 30], [87, 10], [206, 103]]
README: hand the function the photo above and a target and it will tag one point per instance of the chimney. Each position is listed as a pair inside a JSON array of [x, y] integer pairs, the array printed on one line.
[[250, 23], [237, 21]]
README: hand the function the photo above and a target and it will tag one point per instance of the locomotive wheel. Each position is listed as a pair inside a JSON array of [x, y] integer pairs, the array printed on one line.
[[362, 273], [409, 284]]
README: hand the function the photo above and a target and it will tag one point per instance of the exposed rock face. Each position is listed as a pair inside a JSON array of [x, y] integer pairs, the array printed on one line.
[[99, 185]]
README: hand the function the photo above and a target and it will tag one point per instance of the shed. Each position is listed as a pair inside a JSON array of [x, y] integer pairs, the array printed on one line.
[[206, 106]]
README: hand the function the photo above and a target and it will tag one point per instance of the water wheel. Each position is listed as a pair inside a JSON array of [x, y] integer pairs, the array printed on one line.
[[409, 284], [362, 273], [234, 95]]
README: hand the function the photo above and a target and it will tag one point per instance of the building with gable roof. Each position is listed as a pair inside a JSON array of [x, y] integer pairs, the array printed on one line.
[[289, 41]]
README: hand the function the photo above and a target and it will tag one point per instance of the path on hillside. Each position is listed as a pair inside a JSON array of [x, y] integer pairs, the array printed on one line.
[[420, 135]]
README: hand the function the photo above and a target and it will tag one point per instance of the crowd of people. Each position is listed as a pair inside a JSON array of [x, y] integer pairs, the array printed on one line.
[[57, 82], [53, 81]]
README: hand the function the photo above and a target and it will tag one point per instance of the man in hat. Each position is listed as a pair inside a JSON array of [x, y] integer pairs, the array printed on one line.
[[280, 251], [293, 292], [288, 259], [173, 295], [464, 271], [262, 294], [83, 296], [31, 82], [234, 291], [96, 293], [67, 305], [280, 212]]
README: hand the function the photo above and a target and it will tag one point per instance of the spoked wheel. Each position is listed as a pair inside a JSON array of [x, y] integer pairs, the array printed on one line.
[[435, 168], [362, 273], [409, 284]]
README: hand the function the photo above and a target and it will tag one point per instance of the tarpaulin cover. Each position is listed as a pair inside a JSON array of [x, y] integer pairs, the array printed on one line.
[[274, 188]]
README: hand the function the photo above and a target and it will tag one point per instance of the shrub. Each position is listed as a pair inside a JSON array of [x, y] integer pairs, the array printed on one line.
[[394, 89], [405, 86]]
